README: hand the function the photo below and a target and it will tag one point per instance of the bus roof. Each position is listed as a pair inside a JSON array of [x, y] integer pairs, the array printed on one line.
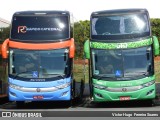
[[119, 11], [41, 13]]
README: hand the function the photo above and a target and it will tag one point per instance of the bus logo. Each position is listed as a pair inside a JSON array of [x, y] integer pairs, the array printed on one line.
[[38, 90], [122, 45], [124, 89], [22, 29]]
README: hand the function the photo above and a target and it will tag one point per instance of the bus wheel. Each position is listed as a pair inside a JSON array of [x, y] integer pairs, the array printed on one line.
[[20, 104], [149, 103], [73, 89], [68, 103]]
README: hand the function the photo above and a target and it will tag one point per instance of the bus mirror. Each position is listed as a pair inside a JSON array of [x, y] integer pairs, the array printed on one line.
[[96, 58], [4, 49], [86, 49], [156, 45], [72, 49], [65, 57]]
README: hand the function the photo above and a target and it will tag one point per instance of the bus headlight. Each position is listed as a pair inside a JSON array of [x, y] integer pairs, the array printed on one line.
[[148, 84], [99, 87], [63, 85], [15, 86]]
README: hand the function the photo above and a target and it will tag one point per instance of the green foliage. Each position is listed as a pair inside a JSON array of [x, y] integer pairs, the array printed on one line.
[[155, 25], [81, 33], [4, 33]]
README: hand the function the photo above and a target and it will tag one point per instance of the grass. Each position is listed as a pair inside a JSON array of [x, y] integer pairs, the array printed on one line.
[[81, 72], [157, 70]]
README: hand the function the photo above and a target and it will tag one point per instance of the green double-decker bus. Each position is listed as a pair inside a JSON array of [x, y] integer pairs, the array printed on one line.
[[121, 54]]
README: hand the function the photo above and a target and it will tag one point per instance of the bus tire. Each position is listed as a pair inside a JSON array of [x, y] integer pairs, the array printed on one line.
[[68, 103], [20, 104], [149, 103], [73, 89]]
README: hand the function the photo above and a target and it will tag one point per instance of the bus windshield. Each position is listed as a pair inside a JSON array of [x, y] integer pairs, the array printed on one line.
[[122, 64], [38, 64], [40, 28], [120, 26]]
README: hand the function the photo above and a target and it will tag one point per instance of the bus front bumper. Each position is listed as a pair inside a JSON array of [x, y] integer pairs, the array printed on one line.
[[142, 94], [58, 95]]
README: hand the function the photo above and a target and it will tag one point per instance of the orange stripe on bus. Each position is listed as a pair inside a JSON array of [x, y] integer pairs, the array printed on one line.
[[39, 46], [0, 49], [4, 48]]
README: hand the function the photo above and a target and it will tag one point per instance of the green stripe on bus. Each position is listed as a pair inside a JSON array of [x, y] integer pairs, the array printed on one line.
[[134, 44]]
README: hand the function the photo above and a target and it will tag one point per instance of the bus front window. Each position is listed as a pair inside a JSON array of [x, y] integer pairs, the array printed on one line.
[[119, 26], [138, 62], [29, 28], [105, 62], [128, 63], [38, 64]]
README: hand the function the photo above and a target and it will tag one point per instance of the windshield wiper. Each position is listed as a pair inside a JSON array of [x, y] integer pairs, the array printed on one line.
[[59, 75], [136, 73], [21, 73], [104, 76], [143, 73]]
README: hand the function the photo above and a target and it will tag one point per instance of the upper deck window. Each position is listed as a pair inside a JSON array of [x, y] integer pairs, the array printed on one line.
[[128, 25], [40, 28]]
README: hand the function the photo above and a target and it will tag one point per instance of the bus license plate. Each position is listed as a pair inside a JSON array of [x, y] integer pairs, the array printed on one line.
[[123, 98], [39, 97]]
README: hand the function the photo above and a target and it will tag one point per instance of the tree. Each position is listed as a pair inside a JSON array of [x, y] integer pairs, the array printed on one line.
[[155, 25], [81, 33], [4, 33]]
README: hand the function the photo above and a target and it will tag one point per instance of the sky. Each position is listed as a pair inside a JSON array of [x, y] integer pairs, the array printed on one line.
[[81, 9]]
